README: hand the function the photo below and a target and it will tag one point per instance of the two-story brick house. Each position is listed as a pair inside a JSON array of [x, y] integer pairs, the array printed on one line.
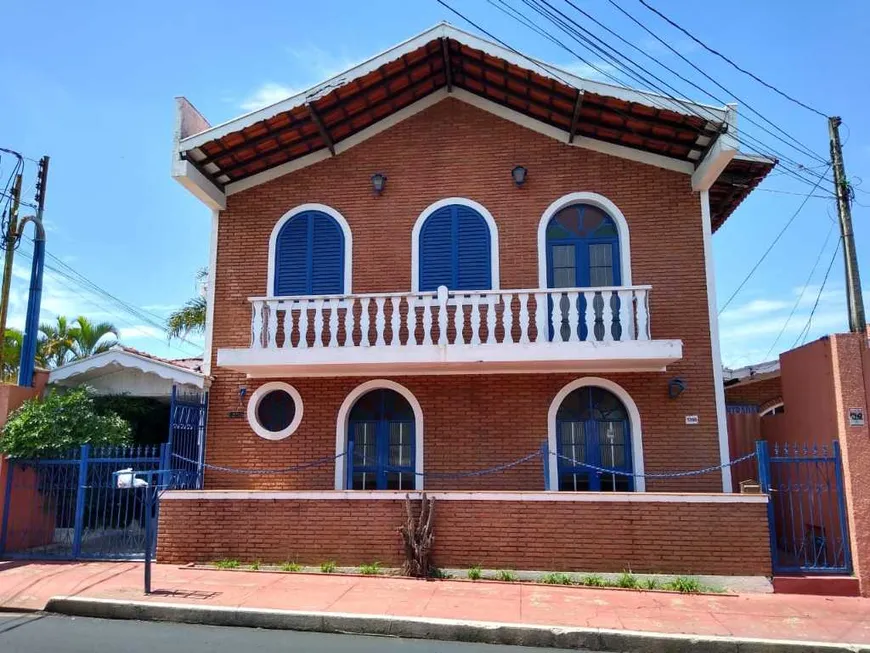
[[449, 258]]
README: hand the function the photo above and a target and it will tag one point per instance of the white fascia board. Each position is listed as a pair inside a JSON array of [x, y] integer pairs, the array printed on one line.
[[719, 156], [129, 360], [444, 30], [197, 183]]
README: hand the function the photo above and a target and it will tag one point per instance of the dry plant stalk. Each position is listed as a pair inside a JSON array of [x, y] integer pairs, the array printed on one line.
[[418, 537]]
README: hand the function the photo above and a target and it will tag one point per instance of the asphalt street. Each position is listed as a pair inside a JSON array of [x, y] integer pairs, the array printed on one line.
[[43, 633]]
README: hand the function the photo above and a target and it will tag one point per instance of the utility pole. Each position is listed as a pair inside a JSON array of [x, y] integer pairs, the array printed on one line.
[[9, 243], [34, 299], [857, 321]]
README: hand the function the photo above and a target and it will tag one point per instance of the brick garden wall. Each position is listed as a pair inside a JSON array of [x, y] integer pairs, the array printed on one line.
[[453, 149], [759, 393], [705, 537]]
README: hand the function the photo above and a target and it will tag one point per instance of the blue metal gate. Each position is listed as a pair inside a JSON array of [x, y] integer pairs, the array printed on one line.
[[82, 506], [187, 422], [807, 508]]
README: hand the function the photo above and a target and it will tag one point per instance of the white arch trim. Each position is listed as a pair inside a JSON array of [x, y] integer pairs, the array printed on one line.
[[633, 417], [348, 243], [770, 409], [605, 205], [254, 403], [341, 426], [429, 210]]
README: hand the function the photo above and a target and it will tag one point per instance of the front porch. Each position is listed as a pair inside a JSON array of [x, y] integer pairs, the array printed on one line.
[[446, 332]]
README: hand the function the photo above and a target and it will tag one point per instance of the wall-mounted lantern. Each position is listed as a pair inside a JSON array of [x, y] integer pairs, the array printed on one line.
[[379, 182], [676, 387], [519, 175]]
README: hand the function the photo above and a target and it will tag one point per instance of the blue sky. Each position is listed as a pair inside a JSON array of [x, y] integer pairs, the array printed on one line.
[[92, 85]]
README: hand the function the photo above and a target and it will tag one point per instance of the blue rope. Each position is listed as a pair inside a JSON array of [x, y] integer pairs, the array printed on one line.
[[622, 472], [283, 470]]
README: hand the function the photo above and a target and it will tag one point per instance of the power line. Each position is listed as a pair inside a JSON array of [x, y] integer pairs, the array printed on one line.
[[803, 290], [577, 36], [724, 58], [806, 330], [771, 246]]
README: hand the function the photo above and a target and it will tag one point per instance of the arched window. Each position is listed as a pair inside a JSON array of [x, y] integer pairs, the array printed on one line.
[[455, 244], [310, 253], [592, 428], [381, 434], [582, 248]]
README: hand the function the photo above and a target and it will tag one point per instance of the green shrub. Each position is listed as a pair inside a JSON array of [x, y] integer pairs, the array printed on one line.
[[227, 563], [475, 573], [291, 566], [593, 580], [372, 569], [557, 578], [255, 566], [506, 575], [685, 584], [328, 567], [627, 580], [59, 423]]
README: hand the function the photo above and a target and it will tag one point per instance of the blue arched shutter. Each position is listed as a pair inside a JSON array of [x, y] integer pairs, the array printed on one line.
[[455, 250], [474, 271], [309, 256]]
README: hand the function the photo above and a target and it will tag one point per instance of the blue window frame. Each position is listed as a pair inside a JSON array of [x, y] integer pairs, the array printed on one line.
[[592, 427], [582, 252], [582, 248], [381, 428], [455, 250], [309, 256]]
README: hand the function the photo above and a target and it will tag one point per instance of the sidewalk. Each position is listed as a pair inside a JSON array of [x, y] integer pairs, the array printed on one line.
[[781, 617]]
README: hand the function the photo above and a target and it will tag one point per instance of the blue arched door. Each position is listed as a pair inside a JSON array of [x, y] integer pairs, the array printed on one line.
[[592, 428], [381, 430], [582, 252]]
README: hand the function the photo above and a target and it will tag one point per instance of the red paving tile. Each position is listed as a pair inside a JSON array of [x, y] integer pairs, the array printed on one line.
[[29, 586]]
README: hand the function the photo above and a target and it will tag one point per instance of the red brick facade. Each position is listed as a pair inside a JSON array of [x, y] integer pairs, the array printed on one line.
[[660, 536], [455, 150]]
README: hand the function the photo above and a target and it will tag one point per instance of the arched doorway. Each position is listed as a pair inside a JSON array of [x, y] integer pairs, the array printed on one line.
[[593, 427], [381, 433]]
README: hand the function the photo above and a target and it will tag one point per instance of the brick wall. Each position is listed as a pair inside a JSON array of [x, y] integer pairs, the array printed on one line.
[[706, 537], [453, 149], [759, 393]]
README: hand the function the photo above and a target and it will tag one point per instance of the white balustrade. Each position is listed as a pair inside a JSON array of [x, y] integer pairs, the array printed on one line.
[[560, 315]]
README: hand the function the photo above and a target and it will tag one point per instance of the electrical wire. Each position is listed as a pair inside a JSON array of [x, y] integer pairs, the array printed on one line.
[[803, 290], [806, 330], [770, 247], [726, 59]]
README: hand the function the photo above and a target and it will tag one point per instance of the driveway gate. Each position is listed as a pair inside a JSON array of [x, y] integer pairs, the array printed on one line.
[[79, 507], [187, 421], [807, 508]]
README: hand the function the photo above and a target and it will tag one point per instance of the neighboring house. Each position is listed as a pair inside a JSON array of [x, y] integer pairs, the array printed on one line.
[[450, 255], [755, 387], [127, 371]]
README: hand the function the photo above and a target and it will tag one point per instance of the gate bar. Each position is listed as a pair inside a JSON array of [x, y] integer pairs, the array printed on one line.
[[841, 505], [7, 503], [80, 500]]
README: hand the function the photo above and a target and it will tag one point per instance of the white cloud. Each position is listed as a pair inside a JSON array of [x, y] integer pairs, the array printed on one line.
[[597, 70], [268, 93], [309, 65], [140, 331]]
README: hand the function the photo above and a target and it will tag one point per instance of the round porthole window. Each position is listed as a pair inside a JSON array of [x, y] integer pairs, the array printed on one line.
[[275, 410]]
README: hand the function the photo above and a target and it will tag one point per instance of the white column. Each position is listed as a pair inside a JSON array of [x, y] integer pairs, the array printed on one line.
[[718, 386]]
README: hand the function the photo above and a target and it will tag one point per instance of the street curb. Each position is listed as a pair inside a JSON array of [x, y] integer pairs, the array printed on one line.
[[592, 639]]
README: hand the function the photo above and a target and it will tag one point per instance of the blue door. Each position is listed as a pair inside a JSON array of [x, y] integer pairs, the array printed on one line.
[[582, 252], [592, 428], [381, 430]]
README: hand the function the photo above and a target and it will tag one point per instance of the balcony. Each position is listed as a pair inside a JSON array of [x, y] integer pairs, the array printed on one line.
[[446, 332]]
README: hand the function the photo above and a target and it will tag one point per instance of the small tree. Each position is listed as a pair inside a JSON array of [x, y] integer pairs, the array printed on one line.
[[418, 538], [59, 423]]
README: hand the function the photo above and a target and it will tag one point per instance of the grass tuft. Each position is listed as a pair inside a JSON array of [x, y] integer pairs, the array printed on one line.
[[475, 573], [650, 584], [254, 566], [627, 580], [685, 585], [227, 563], [372, 569], [557, 578], [506, 575], [328, 567], [291, 566], [593, 580]]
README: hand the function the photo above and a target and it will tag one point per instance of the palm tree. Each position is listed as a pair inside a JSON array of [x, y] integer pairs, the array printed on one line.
[[190, 318], [11, 354], [55, 343], [90, 338]]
